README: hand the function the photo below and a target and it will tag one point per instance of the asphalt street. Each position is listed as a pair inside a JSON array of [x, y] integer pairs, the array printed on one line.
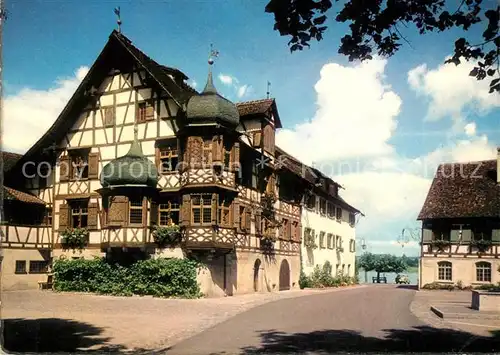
[[371, 319]]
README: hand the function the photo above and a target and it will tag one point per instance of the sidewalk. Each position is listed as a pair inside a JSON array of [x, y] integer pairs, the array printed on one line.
[[449, 309]]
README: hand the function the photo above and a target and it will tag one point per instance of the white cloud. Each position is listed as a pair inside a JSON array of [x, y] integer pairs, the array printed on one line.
[[341, 122], [451, 91], [193, 84], [30, 113], [240, 91], [348, 138], [227, 79], [243, 90], [470, 129]]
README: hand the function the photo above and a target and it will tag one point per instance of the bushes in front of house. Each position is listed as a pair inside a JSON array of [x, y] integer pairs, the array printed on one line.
[[322, 277], [459, 286], [163, 277]]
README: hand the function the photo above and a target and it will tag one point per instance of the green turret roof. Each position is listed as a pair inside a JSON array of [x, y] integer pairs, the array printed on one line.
[[210, 107], [132, 169]]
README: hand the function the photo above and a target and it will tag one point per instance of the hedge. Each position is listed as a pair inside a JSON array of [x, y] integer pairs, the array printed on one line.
[[164, 277]]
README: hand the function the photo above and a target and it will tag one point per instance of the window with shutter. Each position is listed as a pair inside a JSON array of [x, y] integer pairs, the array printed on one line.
[[169, 212], [235, 160], [236, 214], [168, 156], [136, 208], [338, 213], [145, 111], [201, 209], [79, 213], [79, 164]]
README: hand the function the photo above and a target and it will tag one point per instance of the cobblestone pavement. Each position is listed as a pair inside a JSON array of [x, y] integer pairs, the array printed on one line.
[[424, 299], [47, 321]]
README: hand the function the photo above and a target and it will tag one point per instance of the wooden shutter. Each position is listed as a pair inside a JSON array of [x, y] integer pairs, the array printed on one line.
[[153, 214], [426, 235], [257, 138], [214, 208], [93, 215], [93, 165], [157, 159], [495, 236], [236, 157], [186, 210], [64, 168], [63, 217], [109, 116], [236, 214], [247, 217], [258, 223], [466, 235], [150, 111], [216, 149], [118, 211], [299, 234], [289, 230]]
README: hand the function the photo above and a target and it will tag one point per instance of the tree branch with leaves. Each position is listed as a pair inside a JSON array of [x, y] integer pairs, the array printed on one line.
[[374, 27]]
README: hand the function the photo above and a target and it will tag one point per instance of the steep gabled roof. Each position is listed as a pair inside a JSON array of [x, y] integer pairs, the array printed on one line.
[[463, 190], [260, 107], [114, 51]]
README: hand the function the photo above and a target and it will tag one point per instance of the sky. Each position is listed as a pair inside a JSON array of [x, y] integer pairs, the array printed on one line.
[[379, 128]]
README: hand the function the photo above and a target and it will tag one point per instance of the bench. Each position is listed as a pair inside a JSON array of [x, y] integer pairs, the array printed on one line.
[[379, 280], [46, 285]]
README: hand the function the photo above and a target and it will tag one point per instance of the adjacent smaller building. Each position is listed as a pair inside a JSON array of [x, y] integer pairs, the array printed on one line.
[[461, 225], [328, 222]]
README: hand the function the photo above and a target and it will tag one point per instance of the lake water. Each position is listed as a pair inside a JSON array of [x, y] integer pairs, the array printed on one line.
[[391, 277]]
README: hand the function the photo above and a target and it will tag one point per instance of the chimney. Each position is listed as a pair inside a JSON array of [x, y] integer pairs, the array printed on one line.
[[498, 165]]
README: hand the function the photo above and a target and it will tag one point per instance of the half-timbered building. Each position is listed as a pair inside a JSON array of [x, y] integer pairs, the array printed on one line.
[[136, 149], [461, 225]]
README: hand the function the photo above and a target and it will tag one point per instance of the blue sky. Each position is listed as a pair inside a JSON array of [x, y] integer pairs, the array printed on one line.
[[46, 41]]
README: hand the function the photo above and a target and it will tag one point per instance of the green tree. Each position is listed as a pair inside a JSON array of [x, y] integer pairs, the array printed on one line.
[[381, 263], [375, 26]]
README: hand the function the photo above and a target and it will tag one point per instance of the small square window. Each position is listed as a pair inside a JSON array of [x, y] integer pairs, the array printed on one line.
[[20, 266]]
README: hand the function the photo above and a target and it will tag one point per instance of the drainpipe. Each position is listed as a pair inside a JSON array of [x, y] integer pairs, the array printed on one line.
[[225, 275]]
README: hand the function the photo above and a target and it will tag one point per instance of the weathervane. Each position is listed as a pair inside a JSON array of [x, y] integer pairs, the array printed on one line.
[[118, 21], [213, 54]]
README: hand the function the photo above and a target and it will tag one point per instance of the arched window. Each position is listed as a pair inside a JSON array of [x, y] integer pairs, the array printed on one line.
[[444, 271], [483, 271]]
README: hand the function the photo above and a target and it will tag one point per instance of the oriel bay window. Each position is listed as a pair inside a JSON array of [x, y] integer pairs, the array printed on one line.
[[168, 213], [201, 209]]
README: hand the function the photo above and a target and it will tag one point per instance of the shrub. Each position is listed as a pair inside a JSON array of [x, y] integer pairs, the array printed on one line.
[[166, 235], [74, 238], [164, 277]]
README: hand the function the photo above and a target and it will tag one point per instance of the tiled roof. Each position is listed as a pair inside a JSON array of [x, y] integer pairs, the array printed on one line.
[[254, 107], [11, 194], [9, 160], [461, 190]]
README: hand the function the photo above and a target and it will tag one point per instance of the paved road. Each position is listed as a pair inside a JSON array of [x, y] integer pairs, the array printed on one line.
[[376, 318]]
